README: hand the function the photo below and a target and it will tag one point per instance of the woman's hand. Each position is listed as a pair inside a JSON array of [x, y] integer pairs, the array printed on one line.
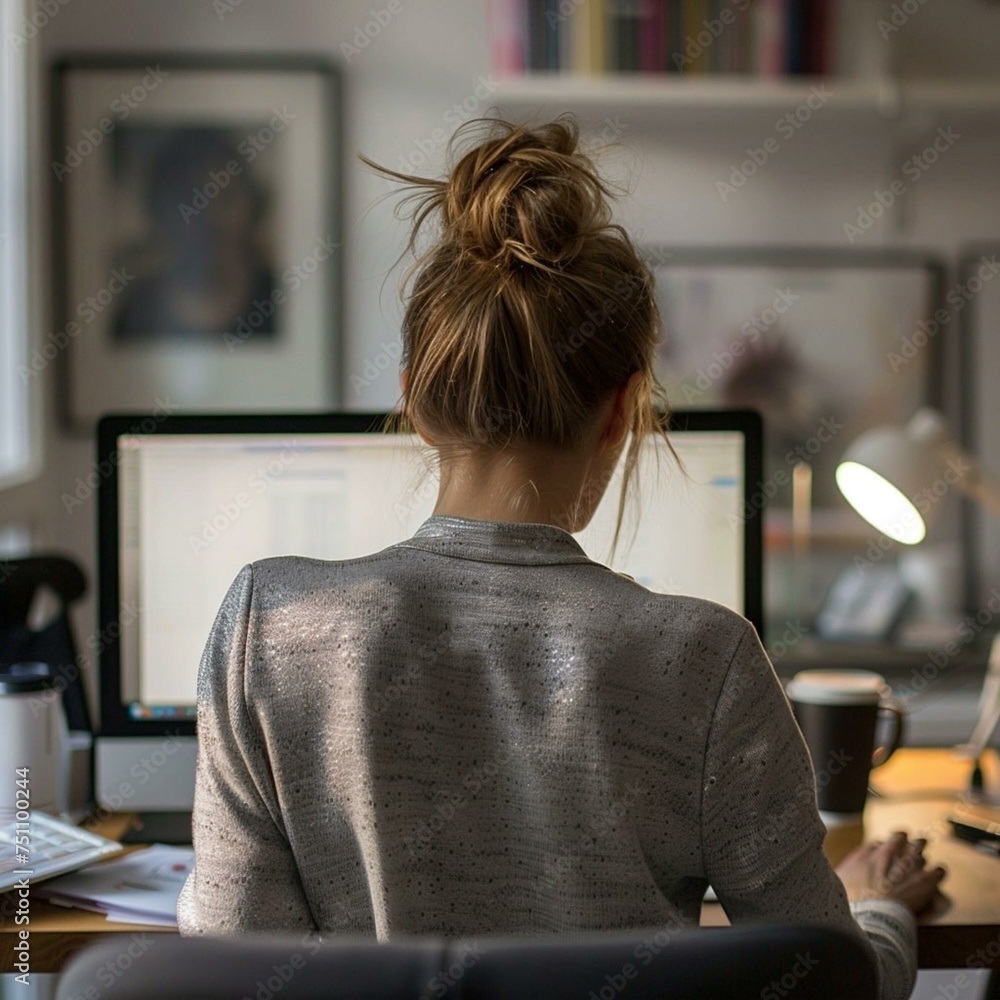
[[894, 869]]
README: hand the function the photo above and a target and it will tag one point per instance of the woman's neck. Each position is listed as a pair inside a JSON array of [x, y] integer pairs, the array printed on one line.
[[530, 485]]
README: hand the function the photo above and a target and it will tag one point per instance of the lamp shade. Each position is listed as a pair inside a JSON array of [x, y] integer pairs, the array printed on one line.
[[886, 475]]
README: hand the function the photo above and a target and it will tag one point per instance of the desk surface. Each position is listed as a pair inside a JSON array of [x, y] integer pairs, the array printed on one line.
[[56, 931], [920, 787]]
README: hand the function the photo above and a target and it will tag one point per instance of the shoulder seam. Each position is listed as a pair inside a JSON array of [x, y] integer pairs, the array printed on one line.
[[708, 737], [246, 645], [253, 719]]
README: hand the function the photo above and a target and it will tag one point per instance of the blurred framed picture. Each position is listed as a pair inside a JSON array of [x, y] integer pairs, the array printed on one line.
[[196, 234], [804, 337], [977, 294], [825, 344]]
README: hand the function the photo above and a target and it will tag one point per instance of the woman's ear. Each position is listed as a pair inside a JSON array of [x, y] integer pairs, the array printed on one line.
[[423, 437], [622, 407], [404, 381]]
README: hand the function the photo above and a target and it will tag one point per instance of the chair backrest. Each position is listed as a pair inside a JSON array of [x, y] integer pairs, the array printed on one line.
[[52, 644], [743, 963]]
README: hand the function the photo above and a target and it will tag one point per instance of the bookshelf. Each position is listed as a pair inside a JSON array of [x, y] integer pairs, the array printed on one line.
[[740, 61], [669, 100]]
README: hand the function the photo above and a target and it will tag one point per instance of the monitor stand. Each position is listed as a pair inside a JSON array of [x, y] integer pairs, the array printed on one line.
[[159, 828], [145, 774]]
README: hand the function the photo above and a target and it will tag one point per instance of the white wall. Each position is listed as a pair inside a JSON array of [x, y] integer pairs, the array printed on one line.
[[432, 54]]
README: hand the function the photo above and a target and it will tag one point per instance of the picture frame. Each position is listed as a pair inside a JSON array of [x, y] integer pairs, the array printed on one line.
[[196, 234], [977, 293], [815, 339]]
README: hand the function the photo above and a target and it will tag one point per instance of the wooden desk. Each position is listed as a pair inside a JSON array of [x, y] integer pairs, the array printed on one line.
[[920, 788], [57, 932]]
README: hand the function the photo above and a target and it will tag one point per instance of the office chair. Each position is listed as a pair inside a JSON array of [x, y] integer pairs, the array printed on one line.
[[744, 963], [53, 642]]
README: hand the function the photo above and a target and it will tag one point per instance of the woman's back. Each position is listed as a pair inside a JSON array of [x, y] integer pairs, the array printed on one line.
[[481, 731]]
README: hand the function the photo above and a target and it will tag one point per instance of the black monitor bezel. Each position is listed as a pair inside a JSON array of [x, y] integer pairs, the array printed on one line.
[[115, 718]]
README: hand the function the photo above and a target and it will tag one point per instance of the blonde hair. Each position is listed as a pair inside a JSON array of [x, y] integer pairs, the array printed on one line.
[[530, 308]]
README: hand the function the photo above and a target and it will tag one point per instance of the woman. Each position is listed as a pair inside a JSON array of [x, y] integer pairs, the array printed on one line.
[[571, 751]]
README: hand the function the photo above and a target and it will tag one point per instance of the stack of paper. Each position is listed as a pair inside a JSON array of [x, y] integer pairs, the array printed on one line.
[[140, 888]]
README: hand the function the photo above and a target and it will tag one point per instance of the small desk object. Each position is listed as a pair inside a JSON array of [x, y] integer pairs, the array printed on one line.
[[919, 788]]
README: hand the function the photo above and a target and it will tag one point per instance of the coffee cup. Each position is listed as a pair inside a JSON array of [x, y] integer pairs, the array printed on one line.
[[838, 712], [34, 741]]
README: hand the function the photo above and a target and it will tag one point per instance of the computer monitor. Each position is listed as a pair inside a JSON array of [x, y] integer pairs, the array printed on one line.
[[187, 501]]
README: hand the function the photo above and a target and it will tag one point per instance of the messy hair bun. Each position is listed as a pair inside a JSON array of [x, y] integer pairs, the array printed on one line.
[[531, 200], [530, 307]]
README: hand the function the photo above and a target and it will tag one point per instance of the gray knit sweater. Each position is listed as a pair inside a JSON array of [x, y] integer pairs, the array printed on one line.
[[480, 731]]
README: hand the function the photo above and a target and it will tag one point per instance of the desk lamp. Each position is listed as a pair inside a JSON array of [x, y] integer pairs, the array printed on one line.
[[891, 476]]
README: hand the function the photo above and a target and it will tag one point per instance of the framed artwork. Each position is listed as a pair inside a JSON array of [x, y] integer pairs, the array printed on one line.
[[978, 292], [824, 344], [196, 234]]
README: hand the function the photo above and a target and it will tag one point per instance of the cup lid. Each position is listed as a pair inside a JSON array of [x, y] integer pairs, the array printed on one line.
[[837, 687], [22, 678]]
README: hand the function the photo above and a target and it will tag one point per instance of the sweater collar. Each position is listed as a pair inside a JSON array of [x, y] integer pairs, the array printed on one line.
[[497, 541]]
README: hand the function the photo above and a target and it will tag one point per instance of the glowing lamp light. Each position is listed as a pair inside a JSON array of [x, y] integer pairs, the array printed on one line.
[[895, 478], [883, 506], [891, 476]]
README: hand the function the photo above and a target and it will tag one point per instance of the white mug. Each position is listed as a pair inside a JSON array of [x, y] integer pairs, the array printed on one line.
[[35, 739]]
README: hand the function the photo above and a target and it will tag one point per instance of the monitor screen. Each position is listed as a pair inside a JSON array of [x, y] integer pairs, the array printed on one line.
[[193, 506]]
